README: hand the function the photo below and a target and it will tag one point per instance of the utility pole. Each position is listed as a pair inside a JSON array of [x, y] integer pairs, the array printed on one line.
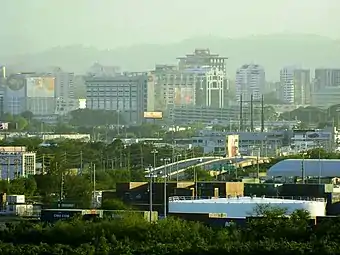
[[258, 165], [320, 167], [16, 163], [141, 156], [303, 168], [8, 169], [81, 162], [118, 131], [165, 190], [262, 114], [166, 162], [61, 195], [196, 185], [241, 114], [154, 152], [150, 191], [43, 164], [251, 113], [94, 184]]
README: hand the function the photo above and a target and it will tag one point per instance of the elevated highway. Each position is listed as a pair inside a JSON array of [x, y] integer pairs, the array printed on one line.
[[176, 168]]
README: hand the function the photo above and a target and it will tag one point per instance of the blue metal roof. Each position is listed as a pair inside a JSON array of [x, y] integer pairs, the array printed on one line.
[[312, 167]]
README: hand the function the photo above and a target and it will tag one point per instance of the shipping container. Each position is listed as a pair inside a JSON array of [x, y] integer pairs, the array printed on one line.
[[52, 215], [210, 220], [260, 189], [332, 220], [185, 184], [234, 189], [184, 192], [15, 199], [226, 222], [305, 190], [20, 209], [117, 214]]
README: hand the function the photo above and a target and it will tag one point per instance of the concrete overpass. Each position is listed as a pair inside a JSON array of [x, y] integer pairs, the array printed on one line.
[[176, 168], [183, 164]]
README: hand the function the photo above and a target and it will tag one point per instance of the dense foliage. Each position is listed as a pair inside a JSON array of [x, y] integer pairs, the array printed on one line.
[[70, 165], [133, 235]]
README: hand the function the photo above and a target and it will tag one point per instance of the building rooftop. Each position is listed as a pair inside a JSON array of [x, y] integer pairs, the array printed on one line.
[[311, 167], [240, 200]]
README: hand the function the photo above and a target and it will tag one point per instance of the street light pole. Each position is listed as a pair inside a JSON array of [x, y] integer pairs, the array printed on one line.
[[258, 165], [150, 175], [320, 167], [154, 152], [166, 161], [178, 155]]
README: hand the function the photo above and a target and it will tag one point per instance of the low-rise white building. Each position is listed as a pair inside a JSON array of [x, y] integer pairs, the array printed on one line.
[[303, 140], [265, 143]]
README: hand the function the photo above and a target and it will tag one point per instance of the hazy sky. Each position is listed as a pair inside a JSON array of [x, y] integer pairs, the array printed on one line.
[[34, 25]]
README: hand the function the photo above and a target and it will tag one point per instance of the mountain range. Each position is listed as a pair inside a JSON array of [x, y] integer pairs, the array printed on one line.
[[271, 51]]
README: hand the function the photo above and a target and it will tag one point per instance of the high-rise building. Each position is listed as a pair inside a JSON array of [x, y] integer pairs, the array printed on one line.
[[126, 94], [199, 79], [30, 92], [250, 80], [295, 86], [326, 78], [15, 94], [202, 58], [2, 72], [174, 87], [64, 92], [326, 88], [99, 70]]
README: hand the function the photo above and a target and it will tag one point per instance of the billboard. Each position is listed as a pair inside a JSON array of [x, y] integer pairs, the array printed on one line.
[[153, 115], [184, 96], [232, 145], [40, 86]]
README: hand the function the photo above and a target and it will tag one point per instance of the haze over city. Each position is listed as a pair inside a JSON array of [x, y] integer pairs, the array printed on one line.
[[37, 25], [127, 113], [140, 34]]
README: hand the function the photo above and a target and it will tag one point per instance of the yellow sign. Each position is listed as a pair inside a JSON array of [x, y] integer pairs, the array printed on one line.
[[217, 215], [153, 115]]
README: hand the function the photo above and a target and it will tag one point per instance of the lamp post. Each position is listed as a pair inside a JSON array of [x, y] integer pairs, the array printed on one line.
[[258, 165], [154, 152], [177, 158], [166, 161], [320, 167], [150, 176]]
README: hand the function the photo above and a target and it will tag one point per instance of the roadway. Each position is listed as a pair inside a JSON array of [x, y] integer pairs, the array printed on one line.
[[206, 162], [183, 164]]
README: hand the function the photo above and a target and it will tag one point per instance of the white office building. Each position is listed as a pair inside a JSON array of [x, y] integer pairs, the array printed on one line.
[[303, 140], [215, 142], [295, 86], [250, 80]]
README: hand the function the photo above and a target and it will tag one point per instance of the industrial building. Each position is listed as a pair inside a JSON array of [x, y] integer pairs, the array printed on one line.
[[242, 207], [16, 162], [306, 167]]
